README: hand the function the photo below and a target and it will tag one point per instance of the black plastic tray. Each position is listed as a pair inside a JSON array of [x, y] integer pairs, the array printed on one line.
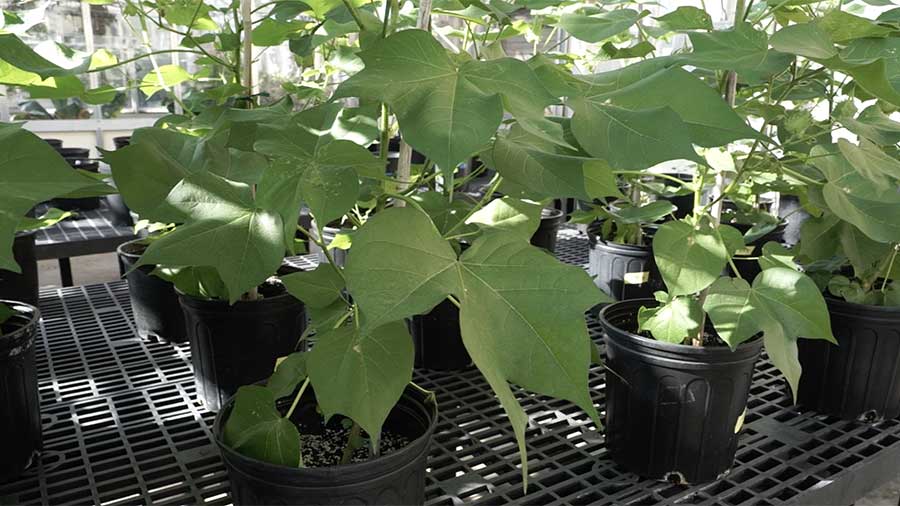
[[88, 233], [122, 426]]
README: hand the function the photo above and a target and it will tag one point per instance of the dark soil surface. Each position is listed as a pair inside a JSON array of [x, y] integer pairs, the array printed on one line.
[[326, 449]]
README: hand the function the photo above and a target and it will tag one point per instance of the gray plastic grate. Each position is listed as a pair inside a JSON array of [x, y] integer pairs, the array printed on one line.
[[87, 233], [122, 426]]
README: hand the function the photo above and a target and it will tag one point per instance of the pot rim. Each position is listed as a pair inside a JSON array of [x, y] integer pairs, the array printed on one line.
[[836, 304], [408, 450], [121, 252], [35, 316], [752, 345]]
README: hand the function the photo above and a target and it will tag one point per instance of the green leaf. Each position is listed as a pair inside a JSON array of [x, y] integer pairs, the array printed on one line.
[[710, 120], [782, 303], [446, 109], [639, 50], [672, 322], [511, 215], [546, 174], [30, 172], [272, 32], [194, 14], [825, 237], [445, 214], [873, 125], [807, 39], [742, 49], [362, 373], [49, 218], [686, 18], [225, 231], [629, 139], [647, 213], [6, 313], [257, 430], [689, 257], [165, 77], [289, 373], [776, 255], [19, 55], [400, 266], [317, 288], [842, 26], [598, 27], [871, 162]]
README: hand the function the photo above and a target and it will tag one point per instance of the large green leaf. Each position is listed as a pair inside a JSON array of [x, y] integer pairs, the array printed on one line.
[[825, 237], [226, 231], [362, 373], [509, 214], [743, 49], [674, 321], [399, 266], [30, 172], [445, 214], [599, 27], [20, 55], [686, 18], [710, 120], [317, 288], [289, 373], [782, 303], [873, 124], [689, 257], [166, 76], [806, 39], [257, 430], [871, 162], [843, 26], [631, 139], [447, 110]]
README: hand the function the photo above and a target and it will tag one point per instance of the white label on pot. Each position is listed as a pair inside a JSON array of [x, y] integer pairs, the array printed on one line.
[[740, 422], [636, 278]]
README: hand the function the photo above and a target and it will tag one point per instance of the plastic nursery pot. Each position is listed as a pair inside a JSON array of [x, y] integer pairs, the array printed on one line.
[[157, 313], [21, 415], [80, 204], [236, 345], [121, 142], [437, 339], [621, 270], [393, 478], [746, 260], [684, 204], [545, 235], [859, 379], [75, 156], [21, 286], [673, 412], [54, 143]]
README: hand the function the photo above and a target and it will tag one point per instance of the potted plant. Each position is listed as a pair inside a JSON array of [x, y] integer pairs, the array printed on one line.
[[35, 174], [405, 258]]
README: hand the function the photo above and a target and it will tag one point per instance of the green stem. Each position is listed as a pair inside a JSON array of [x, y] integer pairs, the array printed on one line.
[[321, 243], [350, 447], [887, 273], [453, 300], [653, 174], [297, 399], [355, 13], [488, 194]]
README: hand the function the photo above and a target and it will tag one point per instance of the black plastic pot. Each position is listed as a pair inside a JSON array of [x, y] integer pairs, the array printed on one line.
[[545, 235], [22, 286], [860, 378], [622, 271], [746, 261], [395, 478], [20, 422], [121, 142], [54, 143], [77, 156], [673, 412], [157, 313], [236, 345], [437, 339], [80, 204]]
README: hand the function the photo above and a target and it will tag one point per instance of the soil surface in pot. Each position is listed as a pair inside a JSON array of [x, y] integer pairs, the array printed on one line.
[[326, 448]]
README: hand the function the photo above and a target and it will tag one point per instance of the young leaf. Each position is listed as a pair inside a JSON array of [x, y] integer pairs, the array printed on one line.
[[50, 218], [782, 303], [361, 373], [164, 77], [807, 39], [511, 215], [445, 214], [290, 372], [257, 430], [686, 18], [842, 26], [689, 257], [317, 288], [871, 162], [776, 255], [598, 27], [673, 321], [743, 49]]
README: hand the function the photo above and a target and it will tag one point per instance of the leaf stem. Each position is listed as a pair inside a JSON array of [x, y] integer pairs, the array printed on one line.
[[297, 399], [351, 446], [887, 273]]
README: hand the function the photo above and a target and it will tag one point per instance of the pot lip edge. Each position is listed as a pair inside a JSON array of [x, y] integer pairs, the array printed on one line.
[[428, 435], [846, 305], [32, 321], [746, 346]]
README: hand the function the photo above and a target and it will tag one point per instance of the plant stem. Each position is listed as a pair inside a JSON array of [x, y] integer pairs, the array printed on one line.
[[318, 239], [248, 47], [652, 174], [297, 399], [350, 447], [453, 300], [887, 273], [355, 13], [488, 194]]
